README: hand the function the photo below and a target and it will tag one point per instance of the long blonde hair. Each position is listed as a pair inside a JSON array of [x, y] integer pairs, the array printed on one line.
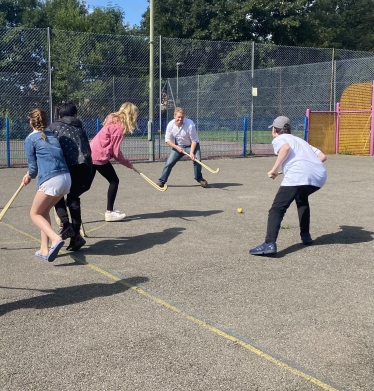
[[127, 115], [39, 121]]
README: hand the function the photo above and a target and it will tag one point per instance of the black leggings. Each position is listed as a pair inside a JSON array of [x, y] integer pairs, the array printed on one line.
[[80, 183], [283, 199], [108, 172]]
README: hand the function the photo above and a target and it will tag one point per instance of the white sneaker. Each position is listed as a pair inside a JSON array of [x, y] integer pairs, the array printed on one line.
[[114, 216]]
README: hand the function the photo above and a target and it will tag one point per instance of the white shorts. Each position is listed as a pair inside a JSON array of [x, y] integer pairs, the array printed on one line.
[[57, 186]]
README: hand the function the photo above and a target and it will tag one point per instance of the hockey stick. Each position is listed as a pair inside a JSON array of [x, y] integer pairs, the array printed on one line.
[[202, 164], [150, 181], [6, 207]]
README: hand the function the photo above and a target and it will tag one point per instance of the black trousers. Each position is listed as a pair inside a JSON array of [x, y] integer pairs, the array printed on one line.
[[283, 199], [108, 172], [80, 182]]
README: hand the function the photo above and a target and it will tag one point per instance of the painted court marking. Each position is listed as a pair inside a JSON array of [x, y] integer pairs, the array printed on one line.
[[227, 334]]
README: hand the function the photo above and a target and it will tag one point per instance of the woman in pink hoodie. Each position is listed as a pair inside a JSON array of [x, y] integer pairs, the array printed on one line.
[[106, 145]]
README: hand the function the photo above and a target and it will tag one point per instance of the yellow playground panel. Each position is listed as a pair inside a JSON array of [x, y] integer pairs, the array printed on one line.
[[355, 119], [351, 123], [322, 129]]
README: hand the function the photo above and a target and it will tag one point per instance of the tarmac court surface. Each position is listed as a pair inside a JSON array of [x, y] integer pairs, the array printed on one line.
[[170, 299]]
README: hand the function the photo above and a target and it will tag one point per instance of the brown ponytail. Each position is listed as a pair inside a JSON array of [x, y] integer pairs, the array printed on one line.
[[39, 121]]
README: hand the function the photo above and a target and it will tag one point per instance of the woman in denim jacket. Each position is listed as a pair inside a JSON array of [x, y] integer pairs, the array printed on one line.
[[45, 160]]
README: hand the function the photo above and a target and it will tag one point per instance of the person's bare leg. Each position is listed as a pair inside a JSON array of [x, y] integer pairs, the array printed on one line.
[[39, 214]]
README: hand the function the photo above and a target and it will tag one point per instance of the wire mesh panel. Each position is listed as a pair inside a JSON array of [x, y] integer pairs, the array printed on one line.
[[24, 86], [322, 131], [232, 91], [216, 96], [354, 133], [100, 72], [354, 123]]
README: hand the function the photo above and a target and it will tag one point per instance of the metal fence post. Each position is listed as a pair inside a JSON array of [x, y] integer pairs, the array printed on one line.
[[252, 76], [49, 74], [245, 119], [151, 149], [306, 125], [97, 125], [160, 98], [337, 128], [197, 102], [371, 151], [7, 127]]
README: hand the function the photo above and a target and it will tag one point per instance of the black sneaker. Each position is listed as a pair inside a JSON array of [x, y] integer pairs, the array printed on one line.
[[264, 248], [160, 184], [66, 231], [76, 243], [306, 238]]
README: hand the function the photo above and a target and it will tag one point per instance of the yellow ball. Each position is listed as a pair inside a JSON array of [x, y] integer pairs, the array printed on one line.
[[240, 210]]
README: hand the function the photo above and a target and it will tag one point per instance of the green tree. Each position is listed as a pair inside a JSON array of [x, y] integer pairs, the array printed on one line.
[[14, 13], [277, 21], [345, 24]]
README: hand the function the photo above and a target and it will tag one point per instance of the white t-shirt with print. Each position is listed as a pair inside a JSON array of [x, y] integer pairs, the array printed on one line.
[[302, 166]]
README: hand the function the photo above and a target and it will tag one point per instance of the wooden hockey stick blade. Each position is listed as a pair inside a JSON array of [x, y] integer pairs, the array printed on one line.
[[6, 207], [57, 219], [83, 231], [203, 165], [155, 185]]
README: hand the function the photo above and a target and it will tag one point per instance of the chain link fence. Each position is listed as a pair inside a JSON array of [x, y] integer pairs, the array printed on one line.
[[277, 81], [231, 90]]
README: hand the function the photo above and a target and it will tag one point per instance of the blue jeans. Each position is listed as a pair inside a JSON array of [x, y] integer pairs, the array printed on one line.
[[175, 156]]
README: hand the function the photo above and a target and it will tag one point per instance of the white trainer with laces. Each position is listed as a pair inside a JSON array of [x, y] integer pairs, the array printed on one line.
[[114, 216]]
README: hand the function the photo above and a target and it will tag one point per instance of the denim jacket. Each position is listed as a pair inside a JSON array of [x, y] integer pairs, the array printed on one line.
[[44, 157]]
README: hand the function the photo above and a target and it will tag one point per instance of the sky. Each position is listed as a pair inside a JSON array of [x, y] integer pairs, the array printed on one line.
[[133, 8]]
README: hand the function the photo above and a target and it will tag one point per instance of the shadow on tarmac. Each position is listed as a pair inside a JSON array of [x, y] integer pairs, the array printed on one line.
[[211, 185], [132, 244], [347, 235], [70, 295], [183, 214]]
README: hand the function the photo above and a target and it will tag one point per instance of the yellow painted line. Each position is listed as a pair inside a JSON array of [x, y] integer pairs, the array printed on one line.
[[198, 321], [96, 228], [19, 231], [213, 329], [18, 242]]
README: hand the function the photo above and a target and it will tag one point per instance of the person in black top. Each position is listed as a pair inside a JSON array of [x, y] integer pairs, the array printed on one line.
[[77, 152]]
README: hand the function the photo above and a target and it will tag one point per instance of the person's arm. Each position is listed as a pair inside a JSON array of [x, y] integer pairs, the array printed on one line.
[[26, 179], [116, 141], [192, 152], [31, 159], [169, 139], [283, 153], [322, 157], [194, 140]]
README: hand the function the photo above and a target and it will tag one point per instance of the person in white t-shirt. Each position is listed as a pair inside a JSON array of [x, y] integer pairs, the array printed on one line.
[[181, 136], [304, 174]]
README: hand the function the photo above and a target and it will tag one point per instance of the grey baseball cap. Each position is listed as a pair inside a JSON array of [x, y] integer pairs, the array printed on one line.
[[279, 122]]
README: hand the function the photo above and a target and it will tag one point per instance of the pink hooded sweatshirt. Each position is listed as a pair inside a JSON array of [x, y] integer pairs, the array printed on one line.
[[106, 145]]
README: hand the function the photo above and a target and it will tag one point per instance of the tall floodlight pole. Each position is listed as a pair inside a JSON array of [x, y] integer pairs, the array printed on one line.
[[151, 82]]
